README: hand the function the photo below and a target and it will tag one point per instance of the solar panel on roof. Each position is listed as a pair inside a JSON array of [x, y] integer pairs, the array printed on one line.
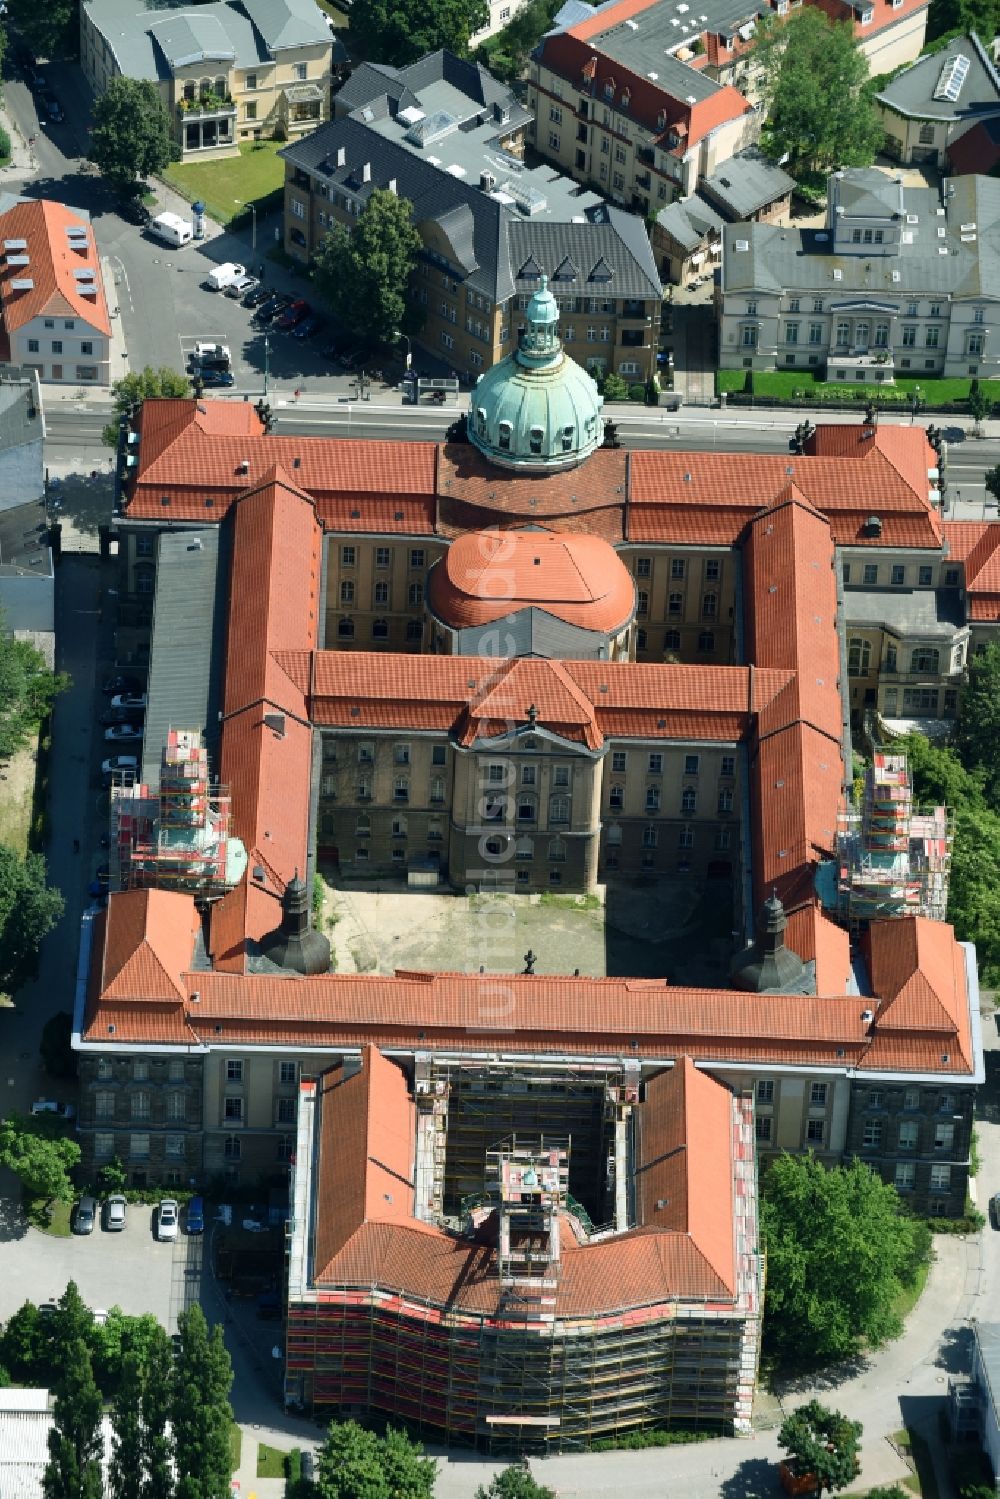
[[951, 78]]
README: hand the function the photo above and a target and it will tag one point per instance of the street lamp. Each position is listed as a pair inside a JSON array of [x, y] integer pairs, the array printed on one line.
[[409, 355], [253, 233], [915, 403]]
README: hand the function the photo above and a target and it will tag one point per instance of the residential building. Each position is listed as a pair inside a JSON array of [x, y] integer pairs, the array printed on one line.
[[899, 280], [229, 71], [888, 34], [27, 574], [449, 138], [973, 1405], [54, 310], [944, 103], [617, 105], [687, 237]]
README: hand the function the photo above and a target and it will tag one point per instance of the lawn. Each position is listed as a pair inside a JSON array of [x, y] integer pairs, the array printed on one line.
[[270, 1461], [909, 1295], [49, 1218], [251, 176], [786, 384], [235, 1447], [18, 800]]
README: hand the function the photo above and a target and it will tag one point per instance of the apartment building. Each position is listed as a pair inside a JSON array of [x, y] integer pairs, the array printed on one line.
[[449, 138], [230, 71], [898, 281], [54, 310]]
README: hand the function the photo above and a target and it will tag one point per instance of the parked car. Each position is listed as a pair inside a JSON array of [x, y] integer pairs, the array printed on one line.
[[122, 731], [223, 275], [308, 1466], [129, 700], [269, 310], [54, 110], [293, 315], [203, 351], [120, 715], [166, 1220], [308, 327], [120, 762], [257, 294], [114, 1214], [213, 379], [49, 1106], [121, 683], [84, 1216], [195, 1217], [36, 80], [240, 286]]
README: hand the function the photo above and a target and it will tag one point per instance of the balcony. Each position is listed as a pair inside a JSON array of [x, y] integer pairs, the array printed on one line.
[[861, 364], [209, 106], [634, 311]]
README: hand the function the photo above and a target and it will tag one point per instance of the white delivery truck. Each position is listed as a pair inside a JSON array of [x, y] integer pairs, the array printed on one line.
[[172, 229], [224, 275]]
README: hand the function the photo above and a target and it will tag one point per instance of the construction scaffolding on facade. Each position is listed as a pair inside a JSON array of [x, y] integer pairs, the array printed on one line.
[[893, 858], [176, 838]]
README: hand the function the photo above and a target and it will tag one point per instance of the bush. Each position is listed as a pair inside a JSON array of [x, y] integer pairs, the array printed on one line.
[[4, 147], [293, 1465], [637, 392], [613, 387]]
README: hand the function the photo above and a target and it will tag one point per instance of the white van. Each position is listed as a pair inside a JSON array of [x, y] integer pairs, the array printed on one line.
[[172, 229], [224, 275]]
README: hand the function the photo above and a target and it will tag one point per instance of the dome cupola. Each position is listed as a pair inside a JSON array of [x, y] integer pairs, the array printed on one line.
[[537, 409]]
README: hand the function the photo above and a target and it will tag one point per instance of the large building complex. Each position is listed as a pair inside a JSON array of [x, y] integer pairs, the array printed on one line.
[[945, 109], [900, 280], [448, 137], [230, 71], [523, 1203]]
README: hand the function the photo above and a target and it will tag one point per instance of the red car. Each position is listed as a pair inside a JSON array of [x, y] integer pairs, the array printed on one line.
[[293, 315]]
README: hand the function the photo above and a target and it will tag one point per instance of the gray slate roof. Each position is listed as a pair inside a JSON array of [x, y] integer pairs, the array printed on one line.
[[491, 237], [746, 184], [907, 611], [288, 23], [149, 37], [690, 221], [185, 677], [187, 39], [643, 45], [911, 93], [782, 259]]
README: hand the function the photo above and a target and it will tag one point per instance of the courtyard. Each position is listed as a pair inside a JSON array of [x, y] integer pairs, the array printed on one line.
[[667, 926]]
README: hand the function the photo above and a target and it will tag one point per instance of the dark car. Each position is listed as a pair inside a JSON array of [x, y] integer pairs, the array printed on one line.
[[270, 309], [195, 1218], [293, 315], [120, 715], [134, 211], [214, 379], [209, 362], [256, 295], [268, 1306], [308, 1466], [308, 328], [121, 683], [36, 80], [54, 110], [84, 1216]]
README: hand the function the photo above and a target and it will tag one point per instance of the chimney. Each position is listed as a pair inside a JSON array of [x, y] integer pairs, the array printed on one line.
[[366, 172], [341, 156]]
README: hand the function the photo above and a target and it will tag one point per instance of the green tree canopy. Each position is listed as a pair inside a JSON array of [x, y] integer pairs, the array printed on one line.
[[41, 1164], [50, 29], [125, 1473], [157, 1399], [514, 1482], [838, 1250], [202, 1415], [821, 112], [354, 1463], [977, 731], [506, 53], [364, 277], [823, 1442], [25, 1344], [991, 479], [146, 384], [28, 909], [400, 31], [75, 1441], [980, 16], [132, 135], [27, 690]]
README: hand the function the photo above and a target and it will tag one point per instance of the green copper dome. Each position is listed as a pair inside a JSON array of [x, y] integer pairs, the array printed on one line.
[[537, 409]]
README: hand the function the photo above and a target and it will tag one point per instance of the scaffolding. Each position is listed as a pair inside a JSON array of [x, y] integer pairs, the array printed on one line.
[[177, 838], [893, 857]]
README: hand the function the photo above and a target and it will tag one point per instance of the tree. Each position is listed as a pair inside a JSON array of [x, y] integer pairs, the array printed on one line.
[[121, 1337], [514, 1483], [980, 406], [72, 1322], [991, 479], [838, 1250], [28, 909], [820, 103], [980, 16], [157, 1399], [56, 1046], [137, 386], [822, 1442], [349, 1464], [125, 1469], [132, 135], [50, 30], [25, 1345], [400, 31], [27, 690], [977, 730], [889, 1491], [42, 1164], [613, 387], [75, 1440], [364, 277], [506, 53], [408, 1473], [202, 1415]]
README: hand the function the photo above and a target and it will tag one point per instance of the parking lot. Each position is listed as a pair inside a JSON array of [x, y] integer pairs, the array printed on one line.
[[128, 1269]]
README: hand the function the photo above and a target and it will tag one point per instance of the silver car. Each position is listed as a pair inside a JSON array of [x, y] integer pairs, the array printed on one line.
[[114, 1214], [167, 1219]]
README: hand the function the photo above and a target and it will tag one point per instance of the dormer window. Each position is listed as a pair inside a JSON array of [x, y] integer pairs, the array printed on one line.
[[535, 439], [567, 439], [609, 89], [661, 119], [503, 440], [626, 98]]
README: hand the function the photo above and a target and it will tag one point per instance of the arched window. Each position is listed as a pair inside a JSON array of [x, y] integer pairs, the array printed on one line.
[[689, 800], [672, 640], [204, 86], [650, 836], [189, 89], [345, 629], [557, 851], [380, 629], [363, 827], [535, 439], [927, 135], [220, 87], [525, 848], [558, 809], [709, 605]]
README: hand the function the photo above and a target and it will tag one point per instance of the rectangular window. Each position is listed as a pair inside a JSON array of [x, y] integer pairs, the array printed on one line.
[[233, 1110], [791, 333], [925, 577], [911, 1098], [728, 766], [553, 141], [908, 1130], [931, 337], [944, 1137], [690, 765], [87, 346], [348, 556], [619, 761], [416, 557], [765, 1090], [286, 1111], [174, 1146], [871, 573], [814, 1131], [872, 1137], [138, 1147], [383, 556], [104, 1145], [762, 1128], [712, 570], [140, 1071], [897, 574], [288, 1073], [643, 567], [560, 776], [909, 336], [817, 1095], [655, 764], [815, 333], [176, 1106], [234, 1071], [940, 1178], [32, 345], [439, 754], [299, 70], [906, 1174]]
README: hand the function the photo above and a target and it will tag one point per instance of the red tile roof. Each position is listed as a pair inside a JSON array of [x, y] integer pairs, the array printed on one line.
[[883, 16], [465, 478], [977, 544], [487, 575], [149, 946], [918, 970], [53, 260]]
